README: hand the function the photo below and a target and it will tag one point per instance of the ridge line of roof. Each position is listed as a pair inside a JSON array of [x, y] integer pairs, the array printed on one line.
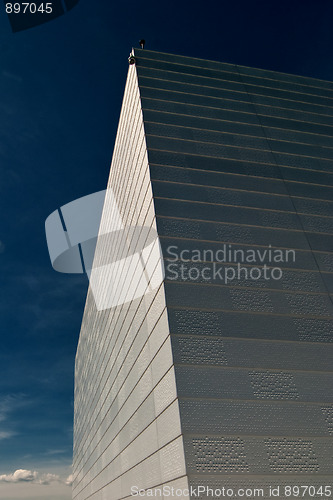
[[135, 49]]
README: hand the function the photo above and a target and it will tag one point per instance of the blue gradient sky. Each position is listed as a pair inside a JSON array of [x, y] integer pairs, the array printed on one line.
[[61, 87]]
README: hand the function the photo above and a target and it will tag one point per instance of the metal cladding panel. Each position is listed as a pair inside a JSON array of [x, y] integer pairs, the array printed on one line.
[[241, 160], [231, 110], [127, 425], [230, 91], [305, 135], [220, 376], [295, 80]]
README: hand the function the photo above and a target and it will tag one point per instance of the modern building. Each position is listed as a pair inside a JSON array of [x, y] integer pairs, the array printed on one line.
[[219, 375]]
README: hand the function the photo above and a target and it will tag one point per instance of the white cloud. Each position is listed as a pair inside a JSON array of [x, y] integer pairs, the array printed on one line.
[[9, 404], [49, 478], [55, 452], [28, 476], [69, 480], [18, 476], [6, 434], [11, 76]]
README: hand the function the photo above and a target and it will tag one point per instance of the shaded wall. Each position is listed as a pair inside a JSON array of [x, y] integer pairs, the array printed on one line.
[[243, 157]]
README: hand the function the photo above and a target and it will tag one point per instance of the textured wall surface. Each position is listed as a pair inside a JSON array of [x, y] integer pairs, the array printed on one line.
[[203, 382], [244, 157], [127, 424]]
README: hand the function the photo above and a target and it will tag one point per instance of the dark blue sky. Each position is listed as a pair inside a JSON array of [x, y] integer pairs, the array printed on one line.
[[61, 87]]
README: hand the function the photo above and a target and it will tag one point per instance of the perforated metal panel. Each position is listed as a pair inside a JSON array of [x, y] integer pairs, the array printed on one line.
[[209, 382], [127, 427], [244, 157]]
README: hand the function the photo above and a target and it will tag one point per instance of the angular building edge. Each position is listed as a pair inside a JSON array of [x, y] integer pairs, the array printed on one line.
[[135, 363], [253, 363]]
